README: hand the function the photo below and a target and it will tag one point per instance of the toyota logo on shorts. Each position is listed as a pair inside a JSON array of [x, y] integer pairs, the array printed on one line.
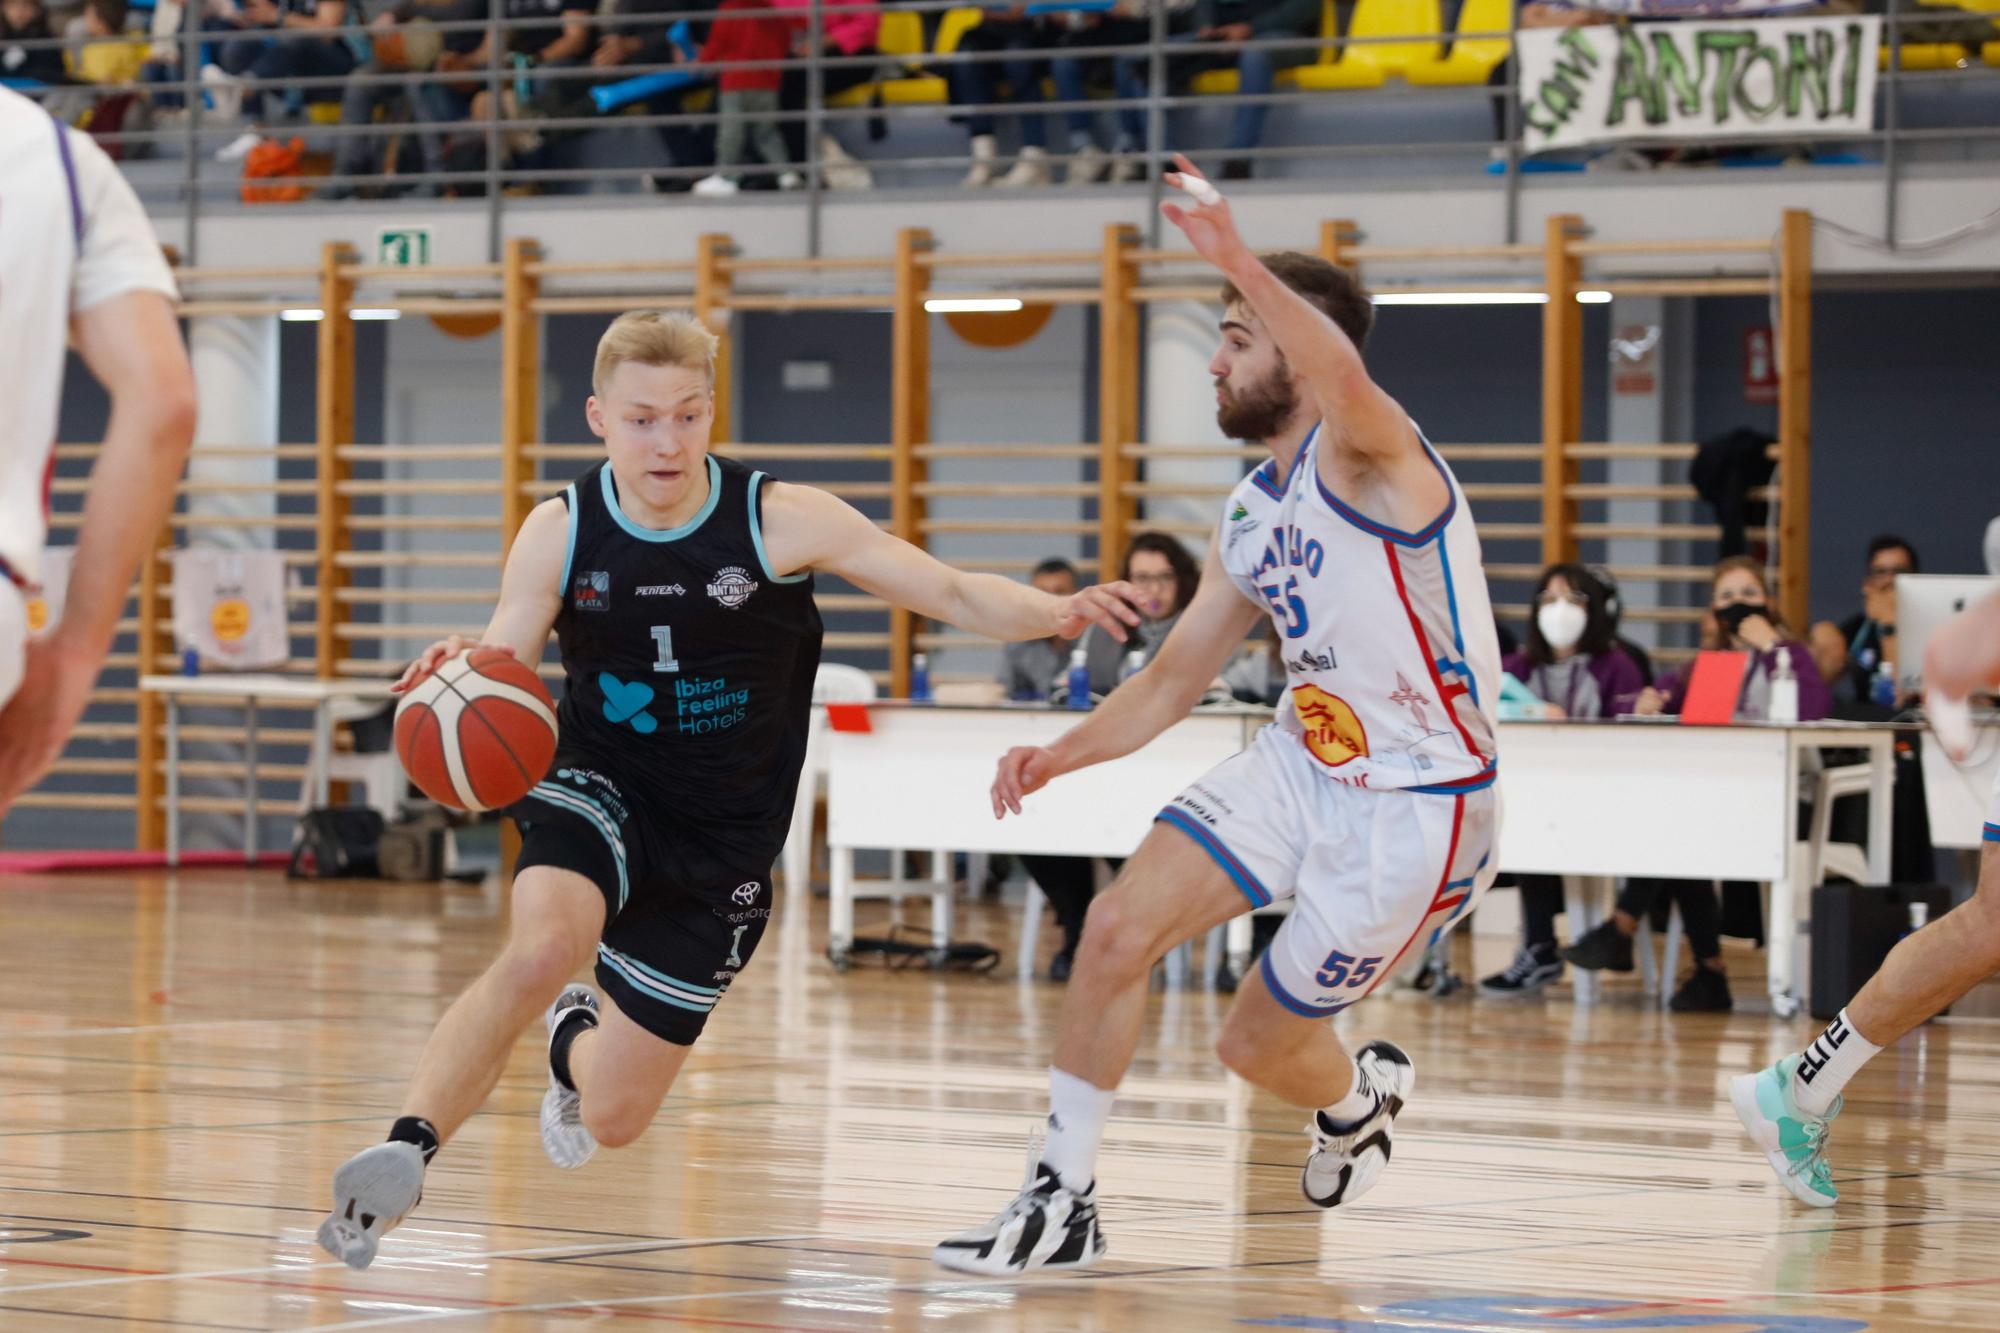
[[747, 893]]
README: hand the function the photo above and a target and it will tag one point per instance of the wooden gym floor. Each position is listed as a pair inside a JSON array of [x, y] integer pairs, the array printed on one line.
[[182, 1067]]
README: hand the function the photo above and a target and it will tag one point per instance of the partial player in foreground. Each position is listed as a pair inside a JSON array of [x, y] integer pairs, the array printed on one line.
[[78, 263], [1789, 1107], [679, 587], [1369, 801]]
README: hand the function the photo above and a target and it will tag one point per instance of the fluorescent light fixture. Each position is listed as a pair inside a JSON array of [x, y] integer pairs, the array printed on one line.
[[972, 305], [367, 313], [1593, 298], [302, 316], [1461, 298]]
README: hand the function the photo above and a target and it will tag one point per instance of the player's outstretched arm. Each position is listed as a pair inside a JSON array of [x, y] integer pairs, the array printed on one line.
[[1209, 630], [133, 346], [806, 528], [1360, 415], [531, 596]]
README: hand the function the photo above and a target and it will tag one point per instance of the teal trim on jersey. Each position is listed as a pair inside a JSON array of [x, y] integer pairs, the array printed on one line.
[[569, 555], [671, 534], [757, 536]]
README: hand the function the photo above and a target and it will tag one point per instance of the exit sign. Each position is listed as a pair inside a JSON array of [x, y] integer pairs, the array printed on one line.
[[403, 247]]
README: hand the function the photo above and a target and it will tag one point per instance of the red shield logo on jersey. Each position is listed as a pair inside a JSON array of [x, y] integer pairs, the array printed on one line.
[[1331, 730]]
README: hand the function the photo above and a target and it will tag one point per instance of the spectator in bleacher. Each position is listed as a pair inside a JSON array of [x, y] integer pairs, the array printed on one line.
[[1740, 618], [314, 46], [404, 45], [1572, 661], [977, 83], [1850, 653], [651, 43], [1166, 576], [749, 97], [1127, 25], [1029, 667], [849, 32], [28, 21]]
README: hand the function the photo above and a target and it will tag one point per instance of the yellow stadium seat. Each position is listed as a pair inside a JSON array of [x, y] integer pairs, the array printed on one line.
[[1369, 65], [1471, 60]]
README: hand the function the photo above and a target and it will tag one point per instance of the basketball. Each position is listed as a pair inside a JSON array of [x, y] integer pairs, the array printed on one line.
[[478, 732]]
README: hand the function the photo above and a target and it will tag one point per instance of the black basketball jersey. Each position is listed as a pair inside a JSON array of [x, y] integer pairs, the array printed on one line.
[[689, 664]]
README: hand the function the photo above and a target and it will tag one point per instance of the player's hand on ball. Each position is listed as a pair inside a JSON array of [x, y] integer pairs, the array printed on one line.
[[437, 655], [1204, 217], [1111, 606], [1024, 770]]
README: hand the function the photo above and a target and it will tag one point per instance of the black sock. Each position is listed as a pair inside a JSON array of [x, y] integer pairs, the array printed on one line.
[[575, 1021], [412, 1129]]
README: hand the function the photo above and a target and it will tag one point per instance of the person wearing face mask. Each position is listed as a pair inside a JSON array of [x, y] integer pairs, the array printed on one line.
[[1741, 618], [1573, 663]]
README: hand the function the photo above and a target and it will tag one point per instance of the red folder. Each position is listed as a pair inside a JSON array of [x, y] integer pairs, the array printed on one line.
[[849, 717], [1713, 689]]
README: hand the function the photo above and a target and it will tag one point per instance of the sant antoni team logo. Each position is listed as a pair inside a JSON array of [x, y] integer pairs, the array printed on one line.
[[1331, 730], [732, 586]]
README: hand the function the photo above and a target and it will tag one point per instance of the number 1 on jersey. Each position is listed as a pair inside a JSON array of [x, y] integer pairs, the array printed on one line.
[[663, 639]]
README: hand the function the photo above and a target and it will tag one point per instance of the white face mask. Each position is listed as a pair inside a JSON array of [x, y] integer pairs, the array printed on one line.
[[1561, 623]]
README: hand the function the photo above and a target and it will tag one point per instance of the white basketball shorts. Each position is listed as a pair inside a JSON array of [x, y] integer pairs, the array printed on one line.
[[1373, 873], [13, 638]]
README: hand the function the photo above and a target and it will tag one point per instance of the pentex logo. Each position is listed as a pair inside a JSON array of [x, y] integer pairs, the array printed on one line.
[[747, 893], [592, 591], [659, 590], [732, 586]]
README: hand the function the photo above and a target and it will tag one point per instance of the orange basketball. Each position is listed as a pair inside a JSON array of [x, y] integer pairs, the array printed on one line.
[[478, 732]]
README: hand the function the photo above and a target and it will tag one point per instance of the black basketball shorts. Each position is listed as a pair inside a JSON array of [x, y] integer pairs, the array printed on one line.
[[678, 927]]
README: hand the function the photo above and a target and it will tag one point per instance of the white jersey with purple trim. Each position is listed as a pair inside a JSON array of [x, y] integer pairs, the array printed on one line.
[[1391, 654], [72, 234]]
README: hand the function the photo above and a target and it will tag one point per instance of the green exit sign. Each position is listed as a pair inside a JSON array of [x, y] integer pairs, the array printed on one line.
[[403, 247]]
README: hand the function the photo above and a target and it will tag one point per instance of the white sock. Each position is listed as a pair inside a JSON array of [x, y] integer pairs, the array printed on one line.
[[1077, 1112], [1824, 1067], [1350, 1110]]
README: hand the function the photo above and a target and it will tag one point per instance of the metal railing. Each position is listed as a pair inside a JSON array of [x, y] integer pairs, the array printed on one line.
[[202, 183]]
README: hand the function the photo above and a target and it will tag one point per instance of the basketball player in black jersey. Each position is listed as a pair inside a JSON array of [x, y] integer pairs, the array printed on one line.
[[679, 586]]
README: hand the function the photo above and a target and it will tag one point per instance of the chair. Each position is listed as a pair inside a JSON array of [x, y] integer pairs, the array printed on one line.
[[1471, 60], [1370, 65], [833, 683]]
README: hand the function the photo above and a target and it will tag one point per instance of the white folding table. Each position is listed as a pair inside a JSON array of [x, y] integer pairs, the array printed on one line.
[[253, 690]]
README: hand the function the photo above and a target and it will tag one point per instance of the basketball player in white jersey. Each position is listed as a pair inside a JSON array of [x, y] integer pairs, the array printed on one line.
[[1789, 1107], [78, 261], [1370, 801]]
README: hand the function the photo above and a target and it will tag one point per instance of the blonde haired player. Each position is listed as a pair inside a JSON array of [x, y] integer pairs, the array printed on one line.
[[679, 587], [78, 261], [1788, 1108], [1369, 802]]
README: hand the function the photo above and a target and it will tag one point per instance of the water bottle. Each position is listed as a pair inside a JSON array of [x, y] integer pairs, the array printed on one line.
[[191, 662], [1079, 679], [1883, 688], [1131, 666], [1784, 691], [920, 679]]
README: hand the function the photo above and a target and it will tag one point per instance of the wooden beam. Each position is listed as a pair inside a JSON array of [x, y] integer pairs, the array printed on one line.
[[711, 307], [1562, 387], [520, 382], [1117, 393], [335, 428], [1794, 339], [910, 425]]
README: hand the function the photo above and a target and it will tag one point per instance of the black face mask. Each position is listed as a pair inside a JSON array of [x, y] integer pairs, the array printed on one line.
[[1731, 618]]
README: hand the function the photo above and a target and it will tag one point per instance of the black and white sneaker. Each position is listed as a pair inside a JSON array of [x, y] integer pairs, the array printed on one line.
[[1533, 968], [1047, 1226], [564, 1138], [1346, 1160]]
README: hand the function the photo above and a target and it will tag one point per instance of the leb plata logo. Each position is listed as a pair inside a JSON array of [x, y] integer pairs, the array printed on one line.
[[732, 586]]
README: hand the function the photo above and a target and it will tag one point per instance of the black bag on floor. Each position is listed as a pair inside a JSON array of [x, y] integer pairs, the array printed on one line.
[[1853, 928], [336, 842]]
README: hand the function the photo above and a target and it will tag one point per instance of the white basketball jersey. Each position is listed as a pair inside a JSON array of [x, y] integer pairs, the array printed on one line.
[[1391, 654], [72, 234]]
